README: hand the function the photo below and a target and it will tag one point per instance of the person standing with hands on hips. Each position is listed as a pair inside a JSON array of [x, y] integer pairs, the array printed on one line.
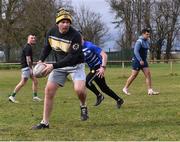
[[66, 44]]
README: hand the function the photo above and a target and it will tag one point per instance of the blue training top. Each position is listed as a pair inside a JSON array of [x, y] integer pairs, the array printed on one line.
[[92, 54], [141, 49]]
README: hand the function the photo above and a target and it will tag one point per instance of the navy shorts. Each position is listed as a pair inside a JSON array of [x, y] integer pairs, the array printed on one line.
[[137, 66]]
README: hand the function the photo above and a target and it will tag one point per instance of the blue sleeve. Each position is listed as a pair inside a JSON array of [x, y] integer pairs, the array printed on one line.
[[95, 49], [136, 50]]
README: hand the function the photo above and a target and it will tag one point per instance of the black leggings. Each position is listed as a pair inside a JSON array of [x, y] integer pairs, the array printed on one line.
[[101, 82]]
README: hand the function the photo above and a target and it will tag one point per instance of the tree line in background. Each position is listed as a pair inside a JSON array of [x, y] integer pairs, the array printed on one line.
[[23, 17], [161, 16]]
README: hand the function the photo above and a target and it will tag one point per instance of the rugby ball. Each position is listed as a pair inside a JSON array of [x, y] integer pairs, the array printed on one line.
[[37, 70]]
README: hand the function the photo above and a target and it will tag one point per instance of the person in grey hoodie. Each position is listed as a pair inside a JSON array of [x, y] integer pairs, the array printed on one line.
[[139, 62]]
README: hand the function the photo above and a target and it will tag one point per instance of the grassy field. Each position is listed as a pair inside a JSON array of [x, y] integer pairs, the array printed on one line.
[[142, 117]]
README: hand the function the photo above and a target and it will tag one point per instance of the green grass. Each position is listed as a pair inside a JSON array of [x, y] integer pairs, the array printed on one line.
[[142, 117]]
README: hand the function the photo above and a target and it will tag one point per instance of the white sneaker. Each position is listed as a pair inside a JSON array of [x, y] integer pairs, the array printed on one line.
[[151, 92], [12, 99], [125, 90], [37, 99]]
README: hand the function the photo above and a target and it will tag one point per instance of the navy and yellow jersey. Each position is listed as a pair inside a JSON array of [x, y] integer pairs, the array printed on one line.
[[92, 55], [26, 51], [67, 47], [141, 49]]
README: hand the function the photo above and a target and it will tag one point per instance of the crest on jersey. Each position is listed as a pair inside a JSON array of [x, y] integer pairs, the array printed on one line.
[[75, 46]]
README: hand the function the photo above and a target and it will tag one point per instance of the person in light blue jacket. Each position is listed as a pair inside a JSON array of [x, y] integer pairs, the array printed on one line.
[[139, 62]]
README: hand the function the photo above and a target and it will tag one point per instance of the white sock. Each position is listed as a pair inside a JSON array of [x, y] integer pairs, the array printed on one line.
[[150, 90], [43, 122], [83, 105], [125, 88]]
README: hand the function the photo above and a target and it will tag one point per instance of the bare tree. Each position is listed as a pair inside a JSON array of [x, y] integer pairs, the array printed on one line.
[[128, 16], [158, 26], [64, 3], [0, 20], [0, 12], [25, 17], [91, 25], [161, 16], [38, 18], [138, 12], [165, 25], [12, 11], [172, 17]]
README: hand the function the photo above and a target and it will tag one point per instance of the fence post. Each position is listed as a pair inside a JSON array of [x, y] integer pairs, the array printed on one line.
[[123, 64], [171, 66], [123, 68], [109, 50]]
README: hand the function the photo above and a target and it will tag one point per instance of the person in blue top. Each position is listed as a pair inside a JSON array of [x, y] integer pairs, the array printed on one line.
[[96, 59], [139, 62]]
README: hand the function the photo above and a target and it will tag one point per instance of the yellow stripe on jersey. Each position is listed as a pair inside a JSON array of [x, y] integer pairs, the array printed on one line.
[[59, 45]]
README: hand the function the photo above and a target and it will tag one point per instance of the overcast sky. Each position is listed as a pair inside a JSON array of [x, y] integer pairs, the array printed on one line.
[[97, 6], [101, 7]]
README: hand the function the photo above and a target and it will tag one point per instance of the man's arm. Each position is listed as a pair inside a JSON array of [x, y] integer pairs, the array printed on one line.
[[136, 50], [30, 64], [104, 59], [101, 70], [29, 61]]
